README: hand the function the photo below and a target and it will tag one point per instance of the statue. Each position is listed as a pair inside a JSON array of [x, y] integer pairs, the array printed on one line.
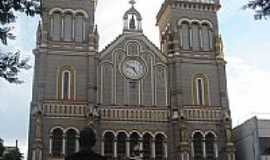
[[38, 131], [219, 47]]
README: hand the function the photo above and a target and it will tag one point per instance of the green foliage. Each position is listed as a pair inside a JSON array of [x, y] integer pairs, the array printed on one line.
[[7, 16], [261, 7], [2, 148], [10, 66], [13, 155], [10, 63]]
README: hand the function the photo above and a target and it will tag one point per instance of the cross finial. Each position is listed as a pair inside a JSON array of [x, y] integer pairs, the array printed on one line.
[[132, 2]]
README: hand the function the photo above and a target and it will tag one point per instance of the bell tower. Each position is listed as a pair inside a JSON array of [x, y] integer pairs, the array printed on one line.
[[201, 122], [64, 88]]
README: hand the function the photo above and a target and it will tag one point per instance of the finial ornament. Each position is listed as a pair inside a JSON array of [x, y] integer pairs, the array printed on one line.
[[132, 2]]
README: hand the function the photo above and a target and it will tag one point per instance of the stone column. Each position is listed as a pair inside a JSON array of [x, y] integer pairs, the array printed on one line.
[[77, 144], [216, 150], [127, 148], [165, 150], [204, 148], [50, 145], [64, 145], [192, 150], [115, 148], [102, 147], [153, 149], [141, 147]]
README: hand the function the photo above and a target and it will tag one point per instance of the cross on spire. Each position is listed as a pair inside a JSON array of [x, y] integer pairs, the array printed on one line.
[[132, 2]]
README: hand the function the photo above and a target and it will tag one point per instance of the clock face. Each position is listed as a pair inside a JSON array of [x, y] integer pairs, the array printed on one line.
[[133, 69]]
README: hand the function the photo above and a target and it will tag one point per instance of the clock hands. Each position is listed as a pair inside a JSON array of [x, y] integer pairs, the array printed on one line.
[[133, 68]]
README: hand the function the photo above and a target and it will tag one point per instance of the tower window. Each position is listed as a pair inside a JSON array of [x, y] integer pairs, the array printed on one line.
[[56, 26], [79, 28], [66, 85], [210, 146], [147, 139], [70, 141], [108, 144], [185, 36], [159, 144], [57, 139], [121, 145], [134, 144], [200, 90], [68, 27], [198, 146], [195, 36]]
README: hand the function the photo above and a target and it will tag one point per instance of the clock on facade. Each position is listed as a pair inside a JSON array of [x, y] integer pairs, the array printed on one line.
[[133, 69]]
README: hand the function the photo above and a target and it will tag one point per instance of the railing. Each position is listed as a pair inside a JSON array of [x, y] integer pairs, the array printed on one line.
[[202, 1], [64, 109], [203, 113], [134, 114]]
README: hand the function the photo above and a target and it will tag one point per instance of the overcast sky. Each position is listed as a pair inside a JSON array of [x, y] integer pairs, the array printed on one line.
[[247, 49]]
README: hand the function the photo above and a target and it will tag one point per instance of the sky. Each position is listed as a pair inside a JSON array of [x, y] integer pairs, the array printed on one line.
[[247, 50]]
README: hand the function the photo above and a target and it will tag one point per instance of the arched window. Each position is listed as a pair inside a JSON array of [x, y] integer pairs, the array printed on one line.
[[198, 146], [147, 139], [56, 26], [185, 36], [159, 144], [108, 144], [66, 83], [134, 144], [210, 146], [57, 142], [121, 145], [79, 28], [200, 90], [70, 141], [68, 26], [207, 39], [195, 36]]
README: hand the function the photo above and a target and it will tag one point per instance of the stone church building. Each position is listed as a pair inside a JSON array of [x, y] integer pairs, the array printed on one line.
[[143, 101]]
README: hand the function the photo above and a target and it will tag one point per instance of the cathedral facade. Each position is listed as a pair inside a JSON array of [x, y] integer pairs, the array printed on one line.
[[143, 101]]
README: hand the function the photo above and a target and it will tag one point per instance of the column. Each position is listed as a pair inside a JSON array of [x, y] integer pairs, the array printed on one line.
[[192, 150], [165, 150], [115, 147], [153, 149], [128, 148], [141, 147], [77, 144], [73, 28], [50, 145], [200, 37], [102, 147], [216, 150], [204, 148], [64, 145], [34, 155]]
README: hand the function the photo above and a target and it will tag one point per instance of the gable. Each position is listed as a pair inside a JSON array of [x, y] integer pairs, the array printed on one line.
[[124, 43]]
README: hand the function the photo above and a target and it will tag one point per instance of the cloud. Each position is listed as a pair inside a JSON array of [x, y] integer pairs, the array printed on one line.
[[248, 90]]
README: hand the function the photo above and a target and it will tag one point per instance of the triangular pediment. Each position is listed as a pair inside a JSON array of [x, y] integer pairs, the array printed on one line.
[[121, 43]]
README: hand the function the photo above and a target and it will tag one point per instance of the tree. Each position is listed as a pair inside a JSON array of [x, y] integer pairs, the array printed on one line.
[[10, 62], [14, 154], [10, 66], [261, 7], [2, 148]]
